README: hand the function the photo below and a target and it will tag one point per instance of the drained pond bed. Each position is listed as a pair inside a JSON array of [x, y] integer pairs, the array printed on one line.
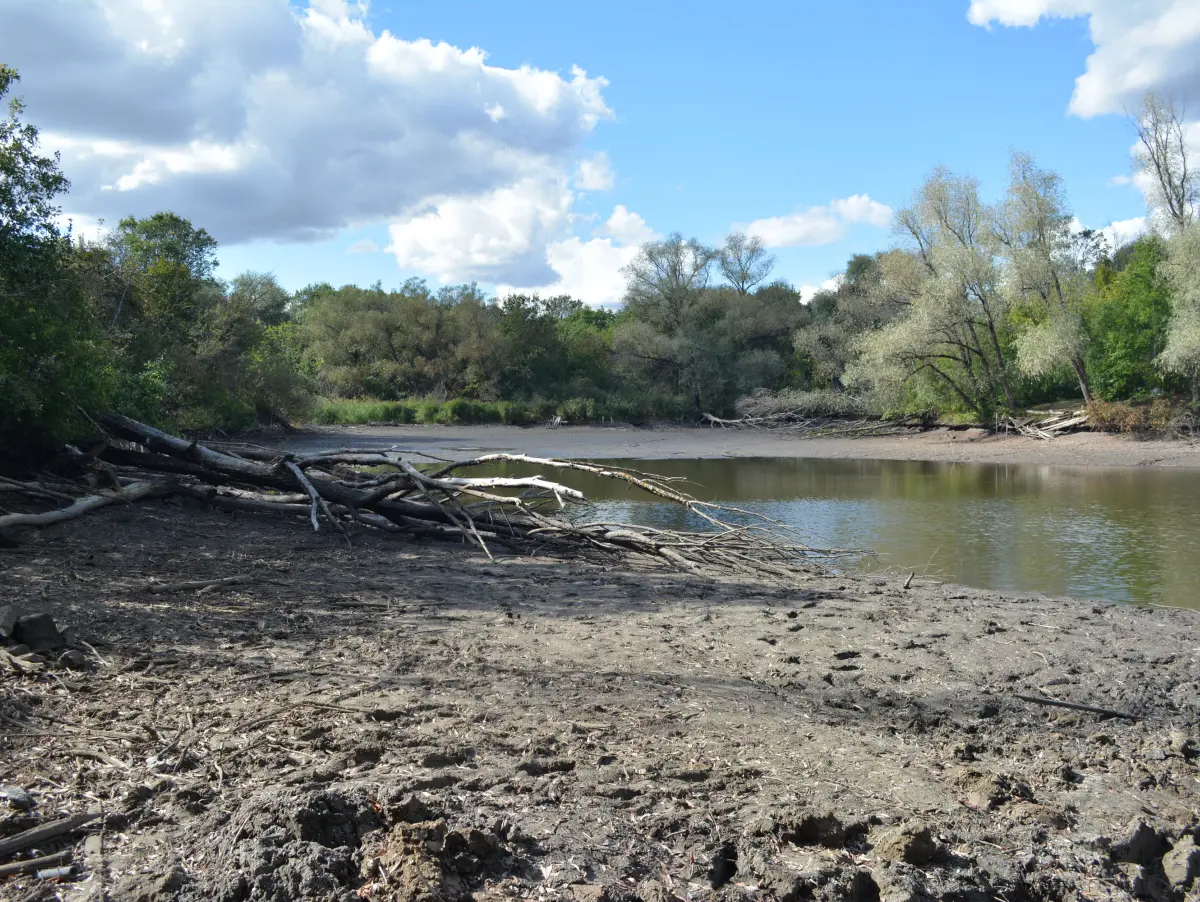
[[408, 720]]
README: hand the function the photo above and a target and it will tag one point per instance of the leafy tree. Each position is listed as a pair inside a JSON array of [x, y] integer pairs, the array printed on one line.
[[744, 262], [49, 360], [1127, 317], [1181, 270], [1047, 271], [950, 347]]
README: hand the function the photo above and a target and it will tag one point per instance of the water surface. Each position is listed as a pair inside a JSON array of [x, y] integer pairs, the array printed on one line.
[[1119, 534]]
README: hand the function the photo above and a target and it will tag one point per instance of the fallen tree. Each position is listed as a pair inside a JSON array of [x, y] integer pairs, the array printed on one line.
[[365, 489]]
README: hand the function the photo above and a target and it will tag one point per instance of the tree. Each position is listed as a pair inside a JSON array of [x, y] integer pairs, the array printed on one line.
[[48, 355], [1127, 318], [1047, 272], [1181, 270], [1163, 159], [262, 295], [666, 278], [950, 345], [744, 262]]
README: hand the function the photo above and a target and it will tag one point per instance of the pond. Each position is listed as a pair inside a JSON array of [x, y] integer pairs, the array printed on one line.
[[1120, 534]]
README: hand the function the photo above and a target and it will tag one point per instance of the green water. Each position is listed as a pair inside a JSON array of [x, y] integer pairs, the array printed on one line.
[[1120, 534]]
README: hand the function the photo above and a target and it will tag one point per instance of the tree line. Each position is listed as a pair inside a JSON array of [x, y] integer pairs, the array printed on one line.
[[981, 307]]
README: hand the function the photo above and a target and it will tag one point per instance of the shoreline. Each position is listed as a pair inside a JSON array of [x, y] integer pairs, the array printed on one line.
[[975, 446], [576, 732]]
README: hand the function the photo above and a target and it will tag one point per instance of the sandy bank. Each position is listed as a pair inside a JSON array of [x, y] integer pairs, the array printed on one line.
[[406, 721], [1082, 449]]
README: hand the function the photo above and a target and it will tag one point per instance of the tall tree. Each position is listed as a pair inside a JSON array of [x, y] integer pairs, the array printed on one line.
[[1163, 158], [952, 336], [47, 355], [744, 262], [1048, 270]]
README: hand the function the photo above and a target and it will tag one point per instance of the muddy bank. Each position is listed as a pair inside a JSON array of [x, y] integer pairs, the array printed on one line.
[[1085, 449], [407, 721]]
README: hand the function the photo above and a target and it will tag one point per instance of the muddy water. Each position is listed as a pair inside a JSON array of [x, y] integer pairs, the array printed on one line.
[[1119, 534]]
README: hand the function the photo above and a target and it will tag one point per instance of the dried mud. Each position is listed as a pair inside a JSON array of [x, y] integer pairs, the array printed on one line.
[[411, 721]]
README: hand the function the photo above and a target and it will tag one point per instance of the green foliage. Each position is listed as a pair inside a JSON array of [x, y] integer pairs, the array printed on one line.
[[1127, 318], [49, 356]]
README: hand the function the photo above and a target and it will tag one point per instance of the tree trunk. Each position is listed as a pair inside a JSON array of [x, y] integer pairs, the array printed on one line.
[[1080, 369]]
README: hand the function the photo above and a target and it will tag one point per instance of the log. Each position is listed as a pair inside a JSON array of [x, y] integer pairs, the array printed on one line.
[[160, 588], [1075, 706], [443, 502], [52, 830], [130, 493], [30, 865]]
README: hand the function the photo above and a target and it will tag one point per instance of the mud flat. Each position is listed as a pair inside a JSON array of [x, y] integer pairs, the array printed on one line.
[[1085, 449], [409, 721]]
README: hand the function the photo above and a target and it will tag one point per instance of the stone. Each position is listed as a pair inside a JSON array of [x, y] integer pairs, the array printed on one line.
[[17, 797], [8, 619], [1141, 844], [72, 660], [1182, 863], [38, 631], [910, 842]]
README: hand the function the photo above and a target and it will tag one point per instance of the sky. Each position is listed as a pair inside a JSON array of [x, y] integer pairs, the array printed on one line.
[[535, 146]]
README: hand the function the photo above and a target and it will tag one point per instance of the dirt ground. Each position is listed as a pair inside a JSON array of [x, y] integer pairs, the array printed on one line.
[[1083, 449], [411, 721]]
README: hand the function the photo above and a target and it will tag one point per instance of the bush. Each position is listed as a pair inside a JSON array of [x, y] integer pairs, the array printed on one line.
[[1161, 416]]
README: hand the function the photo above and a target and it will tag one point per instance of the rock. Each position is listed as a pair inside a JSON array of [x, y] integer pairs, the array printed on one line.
[[910, 842], [17, 797], [1141, 844], [38, 631], [1182, 863], [8, 619], [72, 660]]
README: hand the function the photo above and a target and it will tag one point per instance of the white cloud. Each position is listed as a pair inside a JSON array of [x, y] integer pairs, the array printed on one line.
[[1117, 180], [820, 225], [807, 291], [1124, 231], [591, 270], [1147, 45], [628, 228], [860, 208], [595, 174], [501, 236], [363, 246], [260, 120]]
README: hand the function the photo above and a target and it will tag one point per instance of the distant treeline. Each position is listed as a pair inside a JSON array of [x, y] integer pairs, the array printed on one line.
[[981, 308]]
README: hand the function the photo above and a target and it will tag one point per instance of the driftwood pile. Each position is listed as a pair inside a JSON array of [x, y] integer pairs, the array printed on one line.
[[1048, 425], [366, 489], [819, 426]]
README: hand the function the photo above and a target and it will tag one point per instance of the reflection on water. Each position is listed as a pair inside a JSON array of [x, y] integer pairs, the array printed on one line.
[[1126, 535]]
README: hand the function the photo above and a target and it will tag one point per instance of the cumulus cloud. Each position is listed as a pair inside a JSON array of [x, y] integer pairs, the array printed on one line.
[[595, 174], [591, 270], [261, 120], [1148, 45], [1124, 231], [627, 227], [808, 291], [821, 224], [501, 236]]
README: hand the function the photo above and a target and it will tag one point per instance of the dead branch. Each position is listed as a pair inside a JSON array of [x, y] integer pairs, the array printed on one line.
[[160, 588], [40, 834], [130, 493], [522, 513]]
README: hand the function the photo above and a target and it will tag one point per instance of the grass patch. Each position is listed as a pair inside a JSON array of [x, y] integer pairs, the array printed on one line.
[[362, 411]]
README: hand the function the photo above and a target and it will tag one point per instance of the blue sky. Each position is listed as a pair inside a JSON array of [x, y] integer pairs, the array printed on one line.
[[763, 115]]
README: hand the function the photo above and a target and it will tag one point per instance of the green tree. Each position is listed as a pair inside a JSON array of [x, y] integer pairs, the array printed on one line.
[[1127, 318], [49, 360]]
